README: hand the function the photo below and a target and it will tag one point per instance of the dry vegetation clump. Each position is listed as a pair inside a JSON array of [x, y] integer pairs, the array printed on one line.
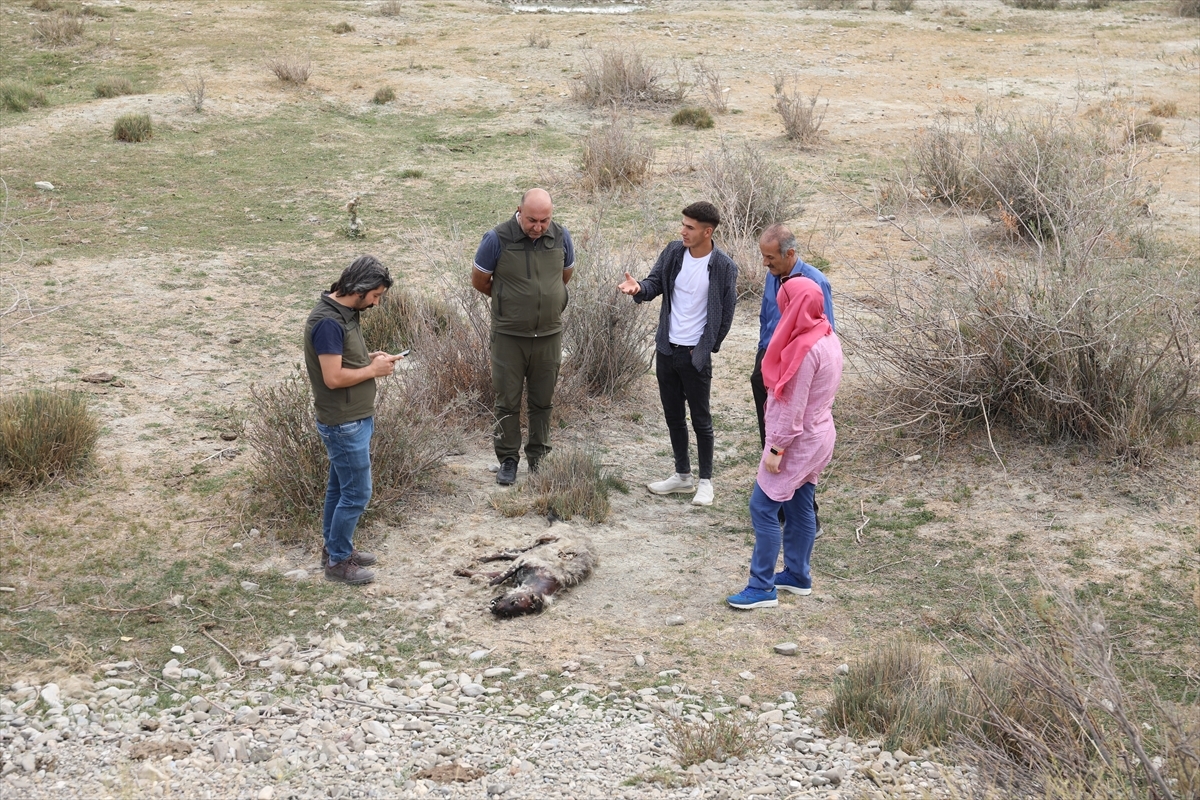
[[1164, 108], [801, 118], [413, 433], [615, 157], [20, 97], [194, 88], [695, 740], [60, 28], [291, 70], [708, 80], [607, 341], [940, 166], [391, 8], [113, 87], [44, 435], [43, 5], [696, 117], [384, 95], [1043, 710], [1144, 130], [571, 482], [342, 27], [132, 128], [623, 76], [1187, 8], [1034, 5]]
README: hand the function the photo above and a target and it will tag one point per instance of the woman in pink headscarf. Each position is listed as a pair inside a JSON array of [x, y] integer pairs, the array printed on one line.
[[802, 369]]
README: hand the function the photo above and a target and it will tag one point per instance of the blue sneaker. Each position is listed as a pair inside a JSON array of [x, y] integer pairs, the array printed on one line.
[[790, 583], [753, 598]]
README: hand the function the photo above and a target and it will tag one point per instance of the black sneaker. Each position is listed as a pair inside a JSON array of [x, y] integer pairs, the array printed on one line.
[[507, 475]]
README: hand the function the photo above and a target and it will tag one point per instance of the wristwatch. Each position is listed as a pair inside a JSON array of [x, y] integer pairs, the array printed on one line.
[[776, 452]]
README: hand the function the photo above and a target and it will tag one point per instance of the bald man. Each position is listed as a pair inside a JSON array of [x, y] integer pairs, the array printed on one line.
[[524, 264]]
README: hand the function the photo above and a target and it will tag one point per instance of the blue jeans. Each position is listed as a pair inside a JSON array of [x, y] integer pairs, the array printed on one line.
[[680, 383], [799, 533], [349, 489]]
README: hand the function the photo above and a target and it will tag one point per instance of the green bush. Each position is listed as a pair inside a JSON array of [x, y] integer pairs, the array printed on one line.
[[17, 96], [698, 118], [113, 87], [132, 128], [383, 95], [44, 435]]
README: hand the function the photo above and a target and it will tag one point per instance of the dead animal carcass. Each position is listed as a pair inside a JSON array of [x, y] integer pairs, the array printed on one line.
[[556, 561]]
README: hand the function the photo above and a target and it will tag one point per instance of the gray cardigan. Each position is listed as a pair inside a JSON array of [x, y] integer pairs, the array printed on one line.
[[722, 297]]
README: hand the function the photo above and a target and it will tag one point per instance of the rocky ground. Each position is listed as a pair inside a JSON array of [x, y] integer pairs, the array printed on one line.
[[318, 719]]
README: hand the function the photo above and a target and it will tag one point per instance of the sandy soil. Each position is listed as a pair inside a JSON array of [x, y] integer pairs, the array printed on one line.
[[884, 75]]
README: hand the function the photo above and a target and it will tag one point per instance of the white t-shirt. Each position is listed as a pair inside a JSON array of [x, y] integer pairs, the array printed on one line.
[[689, 301]]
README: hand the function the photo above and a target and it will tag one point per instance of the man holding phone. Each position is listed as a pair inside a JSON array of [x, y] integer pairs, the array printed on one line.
[[342, 374]]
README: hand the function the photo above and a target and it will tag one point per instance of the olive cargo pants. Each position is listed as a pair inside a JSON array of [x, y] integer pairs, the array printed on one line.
[[530, 363]]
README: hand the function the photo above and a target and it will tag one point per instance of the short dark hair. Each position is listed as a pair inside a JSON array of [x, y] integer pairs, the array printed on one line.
[[364, 275], [703, 211]]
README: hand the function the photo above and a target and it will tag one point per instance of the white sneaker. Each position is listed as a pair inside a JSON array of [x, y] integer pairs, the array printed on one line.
[[704, 493], [675, 483]]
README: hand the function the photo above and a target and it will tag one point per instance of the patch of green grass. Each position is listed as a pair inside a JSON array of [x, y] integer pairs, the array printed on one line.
[[698, 118], [113, 87], [20, 97]]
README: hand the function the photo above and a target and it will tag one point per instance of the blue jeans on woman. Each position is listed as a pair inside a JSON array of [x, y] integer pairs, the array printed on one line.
[[799, 533], [349, 488]]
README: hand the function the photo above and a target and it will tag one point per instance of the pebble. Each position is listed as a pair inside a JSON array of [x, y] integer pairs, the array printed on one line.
[[675, 621], [366, 724], [250, 586], [177, 650], [787, 648], [45, 186], [295, 575], [639, 660], [479, 655], [842, 669]]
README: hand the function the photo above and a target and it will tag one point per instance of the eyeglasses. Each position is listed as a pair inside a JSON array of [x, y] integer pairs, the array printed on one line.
[[787, 278]]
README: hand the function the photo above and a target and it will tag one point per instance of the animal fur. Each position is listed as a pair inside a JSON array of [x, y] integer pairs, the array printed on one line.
[[555, 562]]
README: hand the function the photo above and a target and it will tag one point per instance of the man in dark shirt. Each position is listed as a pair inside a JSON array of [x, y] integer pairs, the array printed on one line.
[[342, 374]]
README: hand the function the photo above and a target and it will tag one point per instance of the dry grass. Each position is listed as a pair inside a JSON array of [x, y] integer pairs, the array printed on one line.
[[696, 117], [1164, 108], [615, 157], [750, 189], [623, 76], [801, 118], [939, 166], [1144, 130], [391, 8], [194, 88], [384, 95], [61, 28], [696, 740], [1187, 8], [711, 85], [44, 435], [113, 87], [1034, 5], [20, 97], [571, 482], [132, 128], [342, 27], [291, 70]]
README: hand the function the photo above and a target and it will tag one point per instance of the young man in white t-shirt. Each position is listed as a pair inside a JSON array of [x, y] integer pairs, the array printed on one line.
[[698, 283]]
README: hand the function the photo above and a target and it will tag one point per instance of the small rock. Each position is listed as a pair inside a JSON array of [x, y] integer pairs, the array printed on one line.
[[787, 648], [235, 546], [479, 655], [149, 724], [497, 789], [744, 701], [843, 669], [295, 575], [45, 186], [250, 586], [914, 458], [427, 666], [377, 729], [266, 793], [50, 694], [768, 717], [496, 672], [640, 660], [177, 650], [299, 667], [473, 690], [746, 676], [762, 790], [172, 671], [546, 696], [152, 774], [675, 620]]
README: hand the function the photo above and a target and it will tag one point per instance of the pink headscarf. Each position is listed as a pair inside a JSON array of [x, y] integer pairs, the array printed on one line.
[[801, 324]]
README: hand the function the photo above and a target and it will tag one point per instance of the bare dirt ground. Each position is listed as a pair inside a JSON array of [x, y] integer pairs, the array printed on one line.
[[182, 359]]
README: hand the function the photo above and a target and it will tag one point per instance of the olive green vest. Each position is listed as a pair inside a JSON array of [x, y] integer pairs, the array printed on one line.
[[336, 406], [528, 294]]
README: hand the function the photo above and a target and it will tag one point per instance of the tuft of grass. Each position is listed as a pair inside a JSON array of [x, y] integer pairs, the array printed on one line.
[[900, 6], [194, 88], [384, 95], [697, 740], [698, 118], [61, 28], [132, 128], [1164, 108], [43, 5], [1187, 8], [20, 97], [291, 70], [801, 118], [411, 173], [1144, 130], [44, 434], [391, 8], [342, 27], [1033, 5], [622, 76], [113, 87], [538, 40], [615, 157], [571, 482]]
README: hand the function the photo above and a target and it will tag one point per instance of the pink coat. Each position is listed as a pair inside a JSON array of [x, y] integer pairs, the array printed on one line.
[[799, 421]]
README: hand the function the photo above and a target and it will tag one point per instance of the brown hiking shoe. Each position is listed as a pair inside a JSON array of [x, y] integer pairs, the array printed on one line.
[[349, 572], [357, 556]]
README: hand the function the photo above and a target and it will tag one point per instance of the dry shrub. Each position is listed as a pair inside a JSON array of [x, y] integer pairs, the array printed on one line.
[[1144, 130], [194, 88], [607, 341], [391, 8], [750, 190], [44, 435], [113, 87], [413, 432], [132, 128], [43, 5], [698, 118], [290, 69], [622, 76], [801, 118], [384, 95], [20, 97], [708, 79], [614, 156], [900, 6], [571, 482], [1164, 108], [538, 40], [1035, 5], [939, 164], [58, 29], [342, 27], [696, 740], [1187, 8]]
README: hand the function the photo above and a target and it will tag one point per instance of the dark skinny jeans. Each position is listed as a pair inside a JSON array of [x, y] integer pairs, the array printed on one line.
[[678, 383]]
